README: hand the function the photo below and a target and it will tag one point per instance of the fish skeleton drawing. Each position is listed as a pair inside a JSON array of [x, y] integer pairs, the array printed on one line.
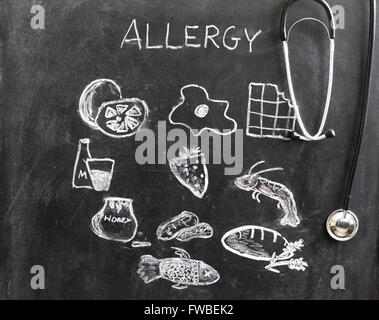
[[274, 190], [263, 244], [182, 271]]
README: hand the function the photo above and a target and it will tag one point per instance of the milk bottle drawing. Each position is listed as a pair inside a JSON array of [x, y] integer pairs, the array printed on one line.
[[81, 177], [89, 172]]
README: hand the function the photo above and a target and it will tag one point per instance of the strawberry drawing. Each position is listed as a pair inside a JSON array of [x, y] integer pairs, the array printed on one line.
[[191, 171]]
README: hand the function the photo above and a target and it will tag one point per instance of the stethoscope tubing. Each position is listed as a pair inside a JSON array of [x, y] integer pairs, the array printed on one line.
[[305, 134], [284, 34], [366, 98], [323, 3]]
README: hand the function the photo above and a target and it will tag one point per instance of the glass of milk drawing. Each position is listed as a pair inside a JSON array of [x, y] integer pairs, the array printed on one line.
[[101, 173]]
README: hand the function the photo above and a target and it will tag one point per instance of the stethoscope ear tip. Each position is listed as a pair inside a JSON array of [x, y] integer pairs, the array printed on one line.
[[292, 135], [295, 136], [330, 134]]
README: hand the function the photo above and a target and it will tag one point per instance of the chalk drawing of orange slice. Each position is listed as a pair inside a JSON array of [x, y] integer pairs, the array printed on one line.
[[94, 95], [122, 118]]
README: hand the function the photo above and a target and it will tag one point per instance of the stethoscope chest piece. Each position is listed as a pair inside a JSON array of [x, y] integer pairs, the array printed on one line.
[[342, 225]]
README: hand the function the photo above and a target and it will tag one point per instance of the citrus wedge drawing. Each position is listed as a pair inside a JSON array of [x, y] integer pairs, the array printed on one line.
[[121, 118]]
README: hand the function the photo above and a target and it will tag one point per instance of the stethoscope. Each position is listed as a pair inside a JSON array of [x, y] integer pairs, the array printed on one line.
[[284, 35], [342, 224]]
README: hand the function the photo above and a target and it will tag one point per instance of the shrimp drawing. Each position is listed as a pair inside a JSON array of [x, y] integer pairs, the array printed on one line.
[[274, 190]]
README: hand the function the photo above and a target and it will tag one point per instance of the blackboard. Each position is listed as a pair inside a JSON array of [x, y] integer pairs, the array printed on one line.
[[44, 221]]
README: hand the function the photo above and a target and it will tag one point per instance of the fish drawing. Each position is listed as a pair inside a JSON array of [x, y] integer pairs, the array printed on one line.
[[263, 244], [182, 270], [258, 185]]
